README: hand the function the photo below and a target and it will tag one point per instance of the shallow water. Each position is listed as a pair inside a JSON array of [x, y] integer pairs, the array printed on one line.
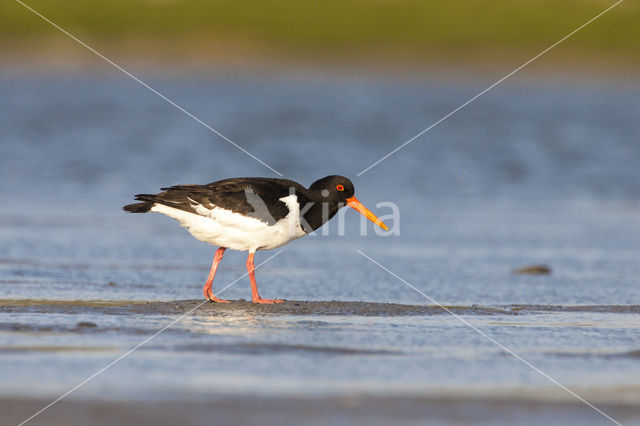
[[526, 175]]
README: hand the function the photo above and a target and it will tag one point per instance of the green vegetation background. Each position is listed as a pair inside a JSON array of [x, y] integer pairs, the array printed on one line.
[[417, 27]]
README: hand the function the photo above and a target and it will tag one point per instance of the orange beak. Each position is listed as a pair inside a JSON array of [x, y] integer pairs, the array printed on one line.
[[353, 203]]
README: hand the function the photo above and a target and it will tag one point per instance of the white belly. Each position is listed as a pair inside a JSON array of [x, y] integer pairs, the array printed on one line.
[[225, 228]]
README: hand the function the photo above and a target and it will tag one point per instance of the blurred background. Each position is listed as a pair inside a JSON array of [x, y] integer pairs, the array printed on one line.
[[542, 169]]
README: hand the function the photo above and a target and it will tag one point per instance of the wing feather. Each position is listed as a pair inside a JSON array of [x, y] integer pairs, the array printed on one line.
[[254, 197]]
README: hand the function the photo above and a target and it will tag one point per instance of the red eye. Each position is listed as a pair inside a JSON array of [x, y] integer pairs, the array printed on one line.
[[340, 188]]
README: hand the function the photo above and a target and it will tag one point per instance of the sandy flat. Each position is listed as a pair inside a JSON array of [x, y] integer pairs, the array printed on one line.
[[113, 307], [338, 411]]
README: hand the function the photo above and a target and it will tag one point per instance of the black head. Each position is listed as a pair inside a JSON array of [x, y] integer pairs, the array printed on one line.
[[330, 194], [333, 189]]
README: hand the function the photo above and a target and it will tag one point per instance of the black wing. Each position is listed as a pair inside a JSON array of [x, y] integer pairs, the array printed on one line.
[[253, 197]]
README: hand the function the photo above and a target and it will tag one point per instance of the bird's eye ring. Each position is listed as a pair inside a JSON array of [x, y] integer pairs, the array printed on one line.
[[340, 187]]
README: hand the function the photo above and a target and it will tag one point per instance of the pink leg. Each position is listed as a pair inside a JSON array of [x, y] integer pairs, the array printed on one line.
[[255, 296], [208, 292]]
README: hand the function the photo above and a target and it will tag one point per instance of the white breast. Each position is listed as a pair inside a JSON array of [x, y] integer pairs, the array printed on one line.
[[225, 228]]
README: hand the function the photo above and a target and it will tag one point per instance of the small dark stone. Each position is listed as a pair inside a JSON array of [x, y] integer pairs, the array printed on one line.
[[86, 324], [112, 284], [533, 270]]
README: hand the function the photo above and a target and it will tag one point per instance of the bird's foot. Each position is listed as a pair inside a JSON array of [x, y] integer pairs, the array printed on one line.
[[215, 299], [265, 301], [208, 294]]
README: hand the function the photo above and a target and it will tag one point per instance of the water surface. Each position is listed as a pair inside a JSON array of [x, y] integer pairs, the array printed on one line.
[[526, 175]]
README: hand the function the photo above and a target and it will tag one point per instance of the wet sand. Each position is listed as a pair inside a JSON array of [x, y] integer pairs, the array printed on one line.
[[314, 411], [242, 309], [300, 308]]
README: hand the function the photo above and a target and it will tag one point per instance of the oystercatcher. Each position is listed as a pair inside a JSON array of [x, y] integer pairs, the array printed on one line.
[[251, 214]]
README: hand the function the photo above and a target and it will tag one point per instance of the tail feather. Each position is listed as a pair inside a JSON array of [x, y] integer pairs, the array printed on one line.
[[138, 207], [148, 200]]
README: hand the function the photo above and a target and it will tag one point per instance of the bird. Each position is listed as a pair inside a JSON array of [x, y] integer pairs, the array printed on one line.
[[251, 214]]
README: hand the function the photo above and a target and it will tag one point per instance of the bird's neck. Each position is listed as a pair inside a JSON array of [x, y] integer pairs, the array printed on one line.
[[315, 212]]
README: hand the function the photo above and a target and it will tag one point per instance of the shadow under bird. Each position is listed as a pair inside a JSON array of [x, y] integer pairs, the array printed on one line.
[[251, 214]]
